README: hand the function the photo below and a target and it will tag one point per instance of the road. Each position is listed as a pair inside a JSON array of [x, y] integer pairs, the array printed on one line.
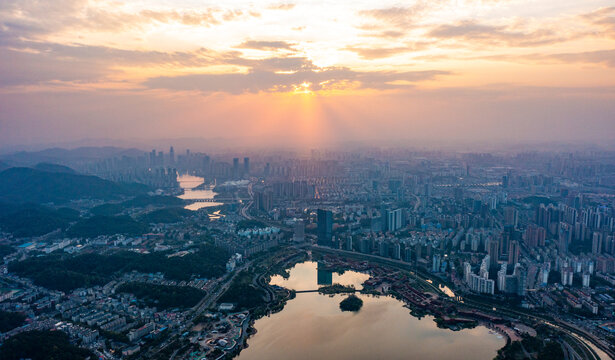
[[246, 207], [213, 297], [205, 303], [587, 340], [418, 203]]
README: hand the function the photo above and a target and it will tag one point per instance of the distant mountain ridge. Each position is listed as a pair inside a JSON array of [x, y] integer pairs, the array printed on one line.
[[64, 156], [21, 185]]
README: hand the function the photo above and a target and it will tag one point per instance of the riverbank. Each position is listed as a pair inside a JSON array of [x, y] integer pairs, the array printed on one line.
[[286, 332]]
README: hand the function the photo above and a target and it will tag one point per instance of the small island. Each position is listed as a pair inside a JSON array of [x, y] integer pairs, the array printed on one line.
[[336, 289], [351, 303]]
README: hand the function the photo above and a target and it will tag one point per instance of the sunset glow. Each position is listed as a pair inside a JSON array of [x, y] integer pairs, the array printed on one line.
[[184, 68]]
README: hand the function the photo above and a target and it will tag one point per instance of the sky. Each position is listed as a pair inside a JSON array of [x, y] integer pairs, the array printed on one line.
[[308, 73]]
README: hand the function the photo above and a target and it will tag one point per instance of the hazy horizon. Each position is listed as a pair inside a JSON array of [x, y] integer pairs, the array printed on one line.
[[246, 145], [303, 74]]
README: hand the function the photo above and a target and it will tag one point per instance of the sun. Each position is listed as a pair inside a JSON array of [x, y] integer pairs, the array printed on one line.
[[303, 89]]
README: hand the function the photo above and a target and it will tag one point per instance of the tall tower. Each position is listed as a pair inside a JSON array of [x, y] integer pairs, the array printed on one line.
[[494, 252], [235, 168], [246, 166], [513, 252], [325, 227]]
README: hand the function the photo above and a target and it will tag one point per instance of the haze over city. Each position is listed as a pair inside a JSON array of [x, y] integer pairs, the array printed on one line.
[[302, 179], [307, 73]]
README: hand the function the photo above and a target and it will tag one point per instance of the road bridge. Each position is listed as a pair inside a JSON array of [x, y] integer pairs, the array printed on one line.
[[219, 200]]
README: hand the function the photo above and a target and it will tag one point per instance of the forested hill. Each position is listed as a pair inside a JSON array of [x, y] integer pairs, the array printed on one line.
[[49, 167], [21, 185]]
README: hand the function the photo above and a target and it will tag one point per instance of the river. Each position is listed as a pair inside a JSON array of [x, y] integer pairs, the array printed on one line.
[[312, 326], [188, 183]]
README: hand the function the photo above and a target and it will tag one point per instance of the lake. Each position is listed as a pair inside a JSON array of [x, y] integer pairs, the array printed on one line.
[[312, 326]]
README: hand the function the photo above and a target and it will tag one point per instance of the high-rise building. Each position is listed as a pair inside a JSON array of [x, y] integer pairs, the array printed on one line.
[[502, 278], [467, 272], [511, 216], [396, 251], [544, 276], [171, 156], [263, 200], [567, 276], [383, 248], [324, 227], [235, 168], [427, 190], [418, 250], [480, 284], [246, 166], [513, 252], [408, 254], [597, 243], [535, 236], [365, 246], [299, 231], [521, 274], [494, 252], [160, 159], [206, 164], [564, 237], [458, 194], [392, 220], [586, 280], [436, 263]]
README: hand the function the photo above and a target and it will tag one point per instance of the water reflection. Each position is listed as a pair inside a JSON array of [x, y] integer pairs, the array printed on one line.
[[311, 326], [324, 277], [188, 183], [446, 290], [305, 276]]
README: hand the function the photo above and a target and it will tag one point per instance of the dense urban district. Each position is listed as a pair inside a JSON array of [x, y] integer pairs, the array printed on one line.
[[120, 254]]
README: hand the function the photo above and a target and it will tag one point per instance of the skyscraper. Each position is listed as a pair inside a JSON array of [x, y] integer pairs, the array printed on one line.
[[597, 243], [436, 263], [206, 164], [511, 216], [299, 231], [246, 166], [513, 252], [325, 227], [235, 168], [365, 246], [394, 219], [521, 274], [152, 158], [494, 252], [564, 237], [535, 236]]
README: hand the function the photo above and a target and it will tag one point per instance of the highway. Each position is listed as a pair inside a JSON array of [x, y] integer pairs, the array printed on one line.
[[211, 298], [205, 303], [246, 206], [590, 342]]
